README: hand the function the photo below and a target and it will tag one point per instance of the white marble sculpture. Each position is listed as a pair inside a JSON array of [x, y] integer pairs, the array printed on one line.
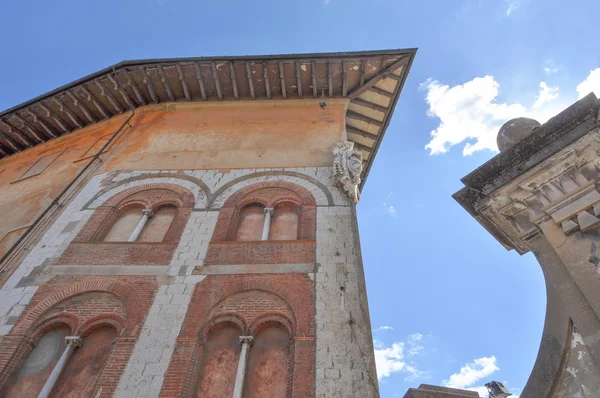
[[347, 166]]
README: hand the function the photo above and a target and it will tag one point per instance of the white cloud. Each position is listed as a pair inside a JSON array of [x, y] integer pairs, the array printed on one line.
[[381, 328], [326, 2], [513, 5], [471, 373], [590, 84], [546, 95], [392, 359], [469, 113], [392, 211], [548, 70]]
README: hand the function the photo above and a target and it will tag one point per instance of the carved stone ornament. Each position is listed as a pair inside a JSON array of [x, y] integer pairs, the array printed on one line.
[[347, 166]]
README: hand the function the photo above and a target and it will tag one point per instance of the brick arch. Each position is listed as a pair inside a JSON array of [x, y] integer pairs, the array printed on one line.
[[267, 193], [216, 322], [99, 321], [124, 292], [203, 191], [183, 194], [323, 194], [53, 322], [298, 303], [270, 319]]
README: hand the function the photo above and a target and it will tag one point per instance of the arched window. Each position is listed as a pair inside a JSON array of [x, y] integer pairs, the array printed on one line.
[[29, 380], [159, 223], [128, 220], [251, 223], [220, 362], [267, 369], [284, 222]]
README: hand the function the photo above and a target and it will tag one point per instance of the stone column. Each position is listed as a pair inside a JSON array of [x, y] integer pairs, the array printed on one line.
[[146, 215], [267, 225], [72, 343], [246, 341]]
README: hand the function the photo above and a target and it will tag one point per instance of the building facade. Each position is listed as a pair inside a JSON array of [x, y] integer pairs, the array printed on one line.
[[540, 194], [187, 228]]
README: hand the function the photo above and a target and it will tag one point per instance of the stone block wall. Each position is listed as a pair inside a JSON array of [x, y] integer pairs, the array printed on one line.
[[322, 305]]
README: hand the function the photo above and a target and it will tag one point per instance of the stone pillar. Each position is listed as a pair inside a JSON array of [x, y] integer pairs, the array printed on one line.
[[146, 215], [246, 341], [267, 225], [72, 343]]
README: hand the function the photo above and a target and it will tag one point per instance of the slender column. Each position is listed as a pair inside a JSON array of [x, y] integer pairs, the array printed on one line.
[[146, 215], [72, 343], [267, 226], [246, 341]]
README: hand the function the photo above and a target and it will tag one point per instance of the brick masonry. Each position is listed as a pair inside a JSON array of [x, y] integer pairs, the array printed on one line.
[[336, 332]]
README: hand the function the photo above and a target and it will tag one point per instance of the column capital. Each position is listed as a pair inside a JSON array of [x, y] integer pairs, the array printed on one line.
[[269, 210], [148, 213], [246, 339], [74, 341]]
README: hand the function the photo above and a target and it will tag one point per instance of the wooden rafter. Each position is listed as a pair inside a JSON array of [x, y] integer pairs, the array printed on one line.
[[148, 82], [64, 109], [16, 133], [200, 81], [368, 104], [38, 120], [361, 132], [362, 147], [165, 81], [136, 90], [120, 90], [344, 79], [23, 125], [234, 83], [267, 81], [282, 78], [106, 94], [10, 141], [184, 85], [375, 79], [88, 114], [313, 70], [217, 80], [63, 126], [383, 92], [298, 79], [250, 80], [90, 97], [363, 118]]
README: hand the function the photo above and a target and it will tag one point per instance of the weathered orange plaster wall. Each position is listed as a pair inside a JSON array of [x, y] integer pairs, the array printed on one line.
[[227, 135], [235, 135]]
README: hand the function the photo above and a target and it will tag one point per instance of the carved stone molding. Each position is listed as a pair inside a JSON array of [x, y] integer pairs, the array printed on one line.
[[347, 166]]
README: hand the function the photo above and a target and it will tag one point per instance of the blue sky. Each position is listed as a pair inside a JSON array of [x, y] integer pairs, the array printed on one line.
[[449, 305]]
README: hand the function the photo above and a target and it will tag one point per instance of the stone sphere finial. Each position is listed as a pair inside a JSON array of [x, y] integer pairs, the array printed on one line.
[[514, 131]]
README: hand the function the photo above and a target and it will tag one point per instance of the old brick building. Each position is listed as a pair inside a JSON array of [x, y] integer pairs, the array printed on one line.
[[187, 228]]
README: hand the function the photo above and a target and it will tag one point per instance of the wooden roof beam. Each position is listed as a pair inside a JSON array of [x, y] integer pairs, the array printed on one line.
[[267, 81], [217, 80], [136, 90], [393, 76], [363, 118], [361, 132], [314, 78], [184, 85], [165, 81], [15, 132], [3, 152], [200, 81], [89, 115], [90, 97], [381, 92], [148, 82], [23, 125], [362, 147], [64, 109], [106, 94], [298, 79], [375, 79], [117, 87], [344, 79], [282, 78], [234, 83], [250, 80], [49, 130], [63, 126], [368, 104], [10, 141], [363, 67]]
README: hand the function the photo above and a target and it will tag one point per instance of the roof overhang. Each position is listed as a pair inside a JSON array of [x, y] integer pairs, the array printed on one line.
[[371, 80]]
